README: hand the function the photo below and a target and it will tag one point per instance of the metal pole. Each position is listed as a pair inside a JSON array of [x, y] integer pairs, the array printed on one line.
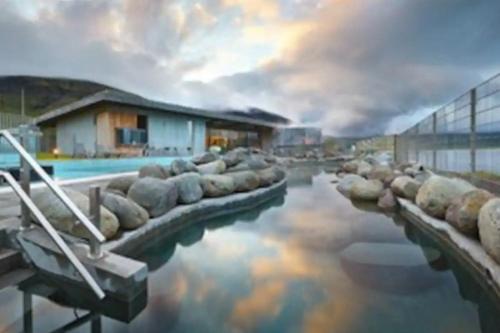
[[473, 131], [95, 217], [96, 325], [434, 141], [25, 178], [27, 312]]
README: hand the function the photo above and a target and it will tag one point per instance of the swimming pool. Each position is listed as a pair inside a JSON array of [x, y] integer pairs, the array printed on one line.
[[290, 265]]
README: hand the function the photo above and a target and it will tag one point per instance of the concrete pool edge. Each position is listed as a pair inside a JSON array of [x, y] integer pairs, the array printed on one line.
[[185, 216], [467, 249]]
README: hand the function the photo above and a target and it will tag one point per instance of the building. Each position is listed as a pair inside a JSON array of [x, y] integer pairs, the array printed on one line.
[[113, 122], [296, 140]]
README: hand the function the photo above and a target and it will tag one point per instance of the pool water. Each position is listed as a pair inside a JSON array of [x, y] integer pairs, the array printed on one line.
[[309, 261]]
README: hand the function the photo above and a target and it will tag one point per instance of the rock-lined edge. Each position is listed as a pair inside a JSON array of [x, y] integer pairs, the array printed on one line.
[[467, 249], [183, 216]]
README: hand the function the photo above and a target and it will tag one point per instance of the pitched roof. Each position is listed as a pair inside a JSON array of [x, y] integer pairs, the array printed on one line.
[[114, 96]]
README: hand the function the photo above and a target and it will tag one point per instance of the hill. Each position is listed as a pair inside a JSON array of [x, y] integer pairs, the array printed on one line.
[[42, 94]]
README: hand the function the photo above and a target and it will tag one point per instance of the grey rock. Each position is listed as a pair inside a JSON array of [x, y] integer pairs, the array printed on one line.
[[188, 187], [245, 181], [62, 219], [234, 157], [380, 172], [180, 166], [463, 211], [350, 167], [489, 228], [121, 184], [387, 200], [368, 190], [205, 158], [154, 171], [364, 168], [154, 195], [212, 168], [130, 215], [345, 184], [217, 185], [266, 177], [437, 193], [405, 187]]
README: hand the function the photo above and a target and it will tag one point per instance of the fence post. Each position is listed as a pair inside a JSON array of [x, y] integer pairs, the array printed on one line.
[[25, 178], [95, 216], [473, 131], [434, 141]]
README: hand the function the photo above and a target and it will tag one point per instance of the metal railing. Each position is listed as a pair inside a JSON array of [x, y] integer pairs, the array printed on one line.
[[462, 136], [28, 207]]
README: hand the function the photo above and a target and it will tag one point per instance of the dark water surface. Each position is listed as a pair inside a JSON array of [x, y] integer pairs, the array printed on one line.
[[307, 262]]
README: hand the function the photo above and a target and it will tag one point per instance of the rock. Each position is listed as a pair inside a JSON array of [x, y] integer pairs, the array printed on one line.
[[205, 158], [245, 181], [387, 200], [405, 187], [212, 168], [130, 215], [121, 184], [463, 211], [279, 173], [364, 168], [350, 167], [266, 177], [489, 228], [154, 171], [188, 187], [345, 184], [270, 159], [368, 190], [234, 157], [422, 175], [157, 197], [217, 185], [62, 219], [179, 166], [115, 192], [380, 172], [437, 193], [256, 162]]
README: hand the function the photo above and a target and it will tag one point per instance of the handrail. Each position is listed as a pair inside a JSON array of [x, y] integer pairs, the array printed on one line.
[[53, 186], [51, 231]]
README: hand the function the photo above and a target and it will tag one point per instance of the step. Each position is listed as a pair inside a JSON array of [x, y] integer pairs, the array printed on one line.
[[15, 277], [10, 260]]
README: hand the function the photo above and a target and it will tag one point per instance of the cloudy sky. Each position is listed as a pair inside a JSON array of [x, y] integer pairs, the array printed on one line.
[[352, 67]]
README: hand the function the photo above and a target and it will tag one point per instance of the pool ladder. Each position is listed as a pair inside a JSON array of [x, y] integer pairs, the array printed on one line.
[[29, 208]]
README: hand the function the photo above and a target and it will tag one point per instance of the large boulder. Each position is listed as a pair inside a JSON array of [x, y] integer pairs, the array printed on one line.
[[380, 172], [270, 175], [279, 173], [154, 171], [244, 181], [437, 193], [188, 187], [121, 184], [212, 168], [130, 215], [234, 156], [350, 167], [345, 184], [464, 210], [62, 219], [368, 190], [205, 158], [217, 185], [180, 166], [405, 187], [364, 168], [156, 196], [387, 200], [422, 175], [489, 228]]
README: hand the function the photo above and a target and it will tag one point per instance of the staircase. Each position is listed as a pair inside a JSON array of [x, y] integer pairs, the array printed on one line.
[[13, 268]]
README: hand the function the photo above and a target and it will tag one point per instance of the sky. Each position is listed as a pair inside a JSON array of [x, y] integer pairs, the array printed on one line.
[[351, 67]]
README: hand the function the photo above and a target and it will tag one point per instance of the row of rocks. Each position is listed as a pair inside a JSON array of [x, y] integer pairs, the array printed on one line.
[[472, 211], [128, 202]]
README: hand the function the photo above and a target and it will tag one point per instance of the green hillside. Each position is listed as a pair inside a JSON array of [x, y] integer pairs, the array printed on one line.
[[42, 94]]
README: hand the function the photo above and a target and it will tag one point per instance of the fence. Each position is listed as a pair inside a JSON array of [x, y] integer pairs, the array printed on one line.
[[11, 120], [462, 136]]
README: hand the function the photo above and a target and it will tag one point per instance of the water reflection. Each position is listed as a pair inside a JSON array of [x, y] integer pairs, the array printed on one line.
[[288, 266]]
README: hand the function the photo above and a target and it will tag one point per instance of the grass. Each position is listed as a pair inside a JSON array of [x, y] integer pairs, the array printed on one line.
[[50, 156]]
